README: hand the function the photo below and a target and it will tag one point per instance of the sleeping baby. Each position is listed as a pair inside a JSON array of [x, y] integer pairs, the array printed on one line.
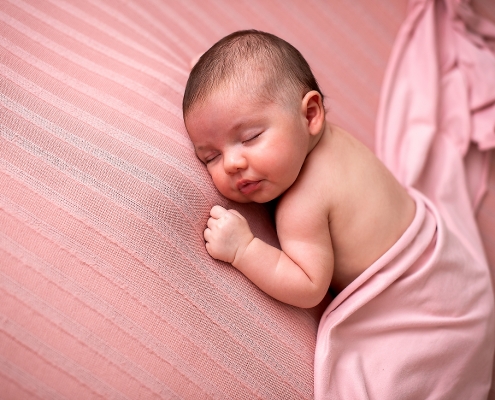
[[256, 117], [413, 312]]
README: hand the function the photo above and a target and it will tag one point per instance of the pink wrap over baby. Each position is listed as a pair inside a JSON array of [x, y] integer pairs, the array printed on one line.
[[419, 322]]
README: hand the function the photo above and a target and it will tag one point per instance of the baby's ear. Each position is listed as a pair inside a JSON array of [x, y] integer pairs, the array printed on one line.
[[312, 106]]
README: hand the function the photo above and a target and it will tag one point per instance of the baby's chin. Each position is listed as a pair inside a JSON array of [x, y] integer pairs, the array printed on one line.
[[264, 194], [259, 199]]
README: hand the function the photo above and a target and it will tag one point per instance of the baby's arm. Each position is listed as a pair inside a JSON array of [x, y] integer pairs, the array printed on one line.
[[300, 274]]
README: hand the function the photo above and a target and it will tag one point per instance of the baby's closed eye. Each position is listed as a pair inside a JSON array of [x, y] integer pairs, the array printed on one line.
[[252, 138], [211, 158]]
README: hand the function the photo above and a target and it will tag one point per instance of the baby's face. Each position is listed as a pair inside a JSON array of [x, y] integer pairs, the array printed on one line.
[[253, 150]]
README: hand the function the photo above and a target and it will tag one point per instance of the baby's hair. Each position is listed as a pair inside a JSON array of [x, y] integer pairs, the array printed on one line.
[[233, 59]]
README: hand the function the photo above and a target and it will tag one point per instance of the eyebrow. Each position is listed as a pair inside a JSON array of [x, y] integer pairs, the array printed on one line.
[[201, 148], [246, 121], [238, 125]]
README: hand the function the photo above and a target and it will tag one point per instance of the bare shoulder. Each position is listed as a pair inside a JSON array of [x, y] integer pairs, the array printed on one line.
[[352, 176], [303, 211], [345, 192], [309, 195], [318, 188]]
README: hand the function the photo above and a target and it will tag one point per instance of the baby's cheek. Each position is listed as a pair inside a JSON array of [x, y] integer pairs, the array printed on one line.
[[224, 185], [218, 178]]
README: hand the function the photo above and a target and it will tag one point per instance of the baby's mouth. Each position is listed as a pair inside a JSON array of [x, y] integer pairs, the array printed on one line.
[[246, 187]]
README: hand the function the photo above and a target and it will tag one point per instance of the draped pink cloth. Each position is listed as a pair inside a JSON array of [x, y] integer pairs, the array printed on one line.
[[447, 103], [436, 122], [419, 322]]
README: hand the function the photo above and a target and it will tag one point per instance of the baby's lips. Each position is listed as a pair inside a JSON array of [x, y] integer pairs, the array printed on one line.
[[245, 186]]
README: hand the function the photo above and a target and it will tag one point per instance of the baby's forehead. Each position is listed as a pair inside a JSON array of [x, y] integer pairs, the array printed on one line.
[[237, 95], [237, 91]]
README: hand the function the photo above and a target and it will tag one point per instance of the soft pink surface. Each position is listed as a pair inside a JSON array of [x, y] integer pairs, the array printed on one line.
[[419, 323], [106, 290]]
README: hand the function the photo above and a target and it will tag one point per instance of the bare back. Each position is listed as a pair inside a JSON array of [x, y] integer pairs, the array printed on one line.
[[367, 209]]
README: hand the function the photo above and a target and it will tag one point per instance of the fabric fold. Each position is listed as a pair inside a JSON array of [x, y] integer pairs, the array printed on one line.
[[417, 324], [436, 118]]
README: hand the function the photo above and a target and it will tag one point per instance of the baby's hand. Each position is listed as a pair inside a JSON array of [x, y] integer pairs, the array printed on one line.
[[227, 235]]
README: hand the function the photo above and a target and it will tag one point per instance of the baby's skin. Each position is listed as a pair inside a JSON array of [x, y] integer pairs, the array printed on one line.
[[339, 207]]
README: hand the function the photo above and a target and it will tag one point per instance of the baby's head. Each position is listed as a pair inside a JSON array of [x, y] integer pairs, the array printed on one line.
[[253, 110], [259, 62]]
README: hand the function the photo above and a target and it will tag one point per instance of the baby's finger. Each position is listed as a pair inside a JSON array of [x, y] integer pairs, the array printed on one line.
[[217, 211], [208, 249], [207, 234], [211, 223]]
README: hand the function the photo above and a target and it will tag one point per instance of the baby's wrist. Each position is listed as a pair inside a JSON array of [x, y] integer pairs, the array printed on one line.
[[241, 252]]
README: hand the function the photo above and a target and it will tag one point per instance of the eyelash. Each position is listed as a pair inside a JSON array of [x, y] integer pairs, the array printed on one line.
[[210, 160], [254, 137], [245, 141]]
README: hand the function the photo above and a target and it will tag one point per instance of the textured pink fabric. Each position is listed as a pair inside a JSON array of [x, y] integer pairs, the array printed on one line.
[[106, 290], [417, 324]]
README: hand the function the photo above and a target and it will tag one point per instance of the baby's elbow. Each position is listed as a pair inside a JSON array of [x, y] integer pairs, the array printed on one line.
[[312, 298]]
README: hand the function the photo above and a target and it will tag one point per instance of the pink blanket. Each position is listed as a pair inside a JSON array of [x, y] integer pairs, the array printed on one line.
[[419, 322]]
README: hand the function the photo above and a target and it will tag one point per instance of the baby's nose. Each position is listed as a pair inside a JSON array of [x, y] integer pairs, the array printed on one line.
[[233, 162]]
